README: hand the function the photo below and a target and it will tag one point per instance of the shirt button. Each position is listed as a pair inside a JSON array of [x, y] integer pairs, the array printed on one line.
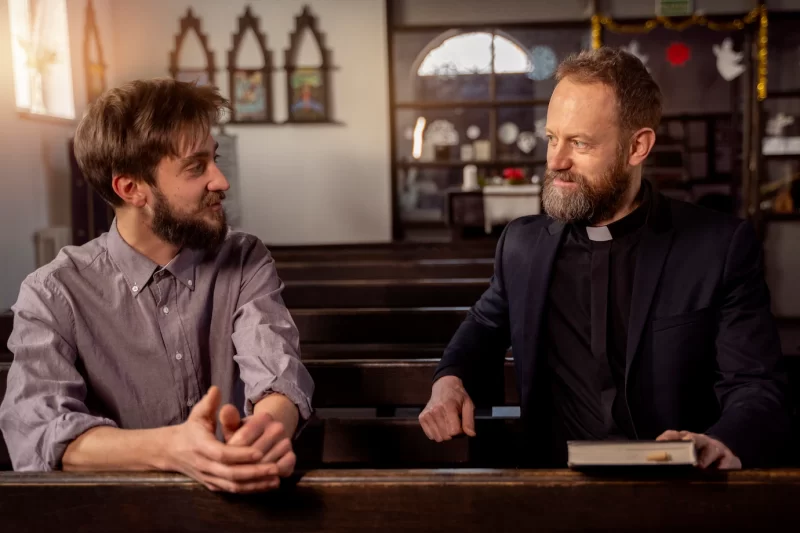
[[135, 288], [178, 356], [190, 282], [166, 310], [189, 403]]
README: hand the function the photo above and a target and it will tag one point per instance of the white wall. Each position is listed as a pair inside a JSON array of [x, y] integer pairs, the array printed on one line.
[[306, 184], [35, 171]]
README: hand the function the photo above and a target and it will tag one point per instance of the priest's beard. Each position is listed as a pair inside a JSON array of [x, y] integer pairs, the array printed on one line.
[[593, 200], [190, 231]]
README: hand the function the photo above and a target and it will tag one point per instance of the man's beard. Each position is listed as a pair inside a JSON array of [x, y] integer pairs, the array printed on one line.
[[190, 231], [591, 201]]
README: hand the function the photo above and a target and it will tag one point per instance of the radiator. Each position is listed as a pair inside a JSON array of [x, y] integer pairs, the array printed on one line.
[[49, 242]]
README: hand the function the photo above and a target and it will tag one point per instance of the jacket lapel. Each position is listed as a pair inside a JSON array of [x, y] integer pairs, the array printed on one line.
[[653, 249]]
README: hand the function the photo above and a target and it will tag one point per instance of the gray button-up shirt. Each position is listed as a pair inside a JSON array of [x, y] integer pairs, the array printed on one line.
[[104, 336]]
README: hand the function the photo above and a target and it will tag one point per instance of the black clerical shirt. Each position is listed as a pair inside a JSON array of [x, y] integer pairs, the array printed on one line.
[[589, 303]]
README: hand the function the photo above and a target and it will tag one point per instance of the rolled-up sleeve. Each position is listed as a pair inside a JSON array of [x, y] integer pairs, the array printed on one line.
[[43, 410], [266, 338]]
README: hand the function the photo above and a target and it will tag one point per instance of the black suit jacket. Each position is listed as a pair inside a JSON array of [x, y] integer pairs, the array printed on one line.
[[702, 345]]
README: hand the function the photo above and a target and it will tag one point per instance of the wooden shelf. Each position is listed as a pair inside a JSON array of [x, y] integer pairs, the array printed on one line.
[[768, 215], [459, 164], [450, 104], [782, 157], [783, 95]]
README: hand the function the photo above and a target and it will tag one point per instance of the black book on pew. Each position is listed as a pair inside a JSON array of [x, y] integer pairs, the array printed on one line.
[[583, 455]]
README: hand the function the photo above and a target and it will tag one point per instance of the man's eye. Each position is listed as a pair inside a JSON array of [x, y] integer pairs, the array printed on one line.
[[579, 144], [197, 169]]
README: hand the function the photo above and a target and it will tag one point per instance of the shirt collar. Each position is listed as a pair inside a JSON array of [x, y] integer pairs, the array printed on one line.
[[138, 269], [627, 225]]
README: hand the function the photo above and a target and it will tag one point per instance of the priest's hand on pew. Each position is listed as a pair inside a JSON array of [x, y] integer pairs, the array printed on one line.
[[449, 412], [263, 432], [711, 452], [194, 450]]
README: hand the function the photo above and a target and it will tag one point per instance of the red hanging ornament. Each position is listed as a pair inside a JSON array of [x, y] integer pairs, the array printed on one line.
[[678, 54]]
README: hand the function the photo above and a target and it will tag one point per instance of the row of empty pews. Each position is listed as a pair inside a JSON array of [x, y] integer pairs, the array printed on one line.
[[374, 321]]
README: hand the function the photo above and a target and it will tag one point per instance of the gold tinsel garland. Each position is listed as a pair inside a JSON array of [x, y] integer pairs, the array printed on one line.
[[759, 13]]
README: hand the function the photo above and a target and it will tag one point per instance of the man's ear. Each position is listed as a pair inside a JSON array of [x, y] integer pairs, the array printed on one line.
[[642, 142], [131, 191]]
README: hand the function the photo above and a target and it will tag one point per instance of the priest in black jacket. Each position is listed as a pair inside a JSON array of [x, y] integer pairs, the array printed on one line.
[[630, 315]]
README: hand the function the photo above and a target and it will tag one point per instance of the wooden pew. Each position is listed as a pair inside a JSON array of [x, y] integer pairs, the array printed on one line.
[[383, 442], [383, 293], [391, 501], [394, 383], [6, 325], [378, 325], [394, 251], [365, 269]]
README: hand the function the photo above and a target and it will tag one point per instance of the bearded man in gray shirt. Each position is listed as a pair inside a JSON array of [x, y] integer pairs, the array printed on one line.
[[124, 348]]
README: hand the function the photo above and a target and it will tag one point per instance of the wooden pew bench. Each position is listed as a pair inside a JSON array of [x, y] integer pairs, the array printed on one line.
[[463, 500], [367, 269], [356, 401]]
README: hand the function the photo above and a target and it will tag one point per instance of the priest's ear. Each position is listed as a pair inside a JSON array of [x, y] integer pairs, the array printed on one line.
[[641, 143]]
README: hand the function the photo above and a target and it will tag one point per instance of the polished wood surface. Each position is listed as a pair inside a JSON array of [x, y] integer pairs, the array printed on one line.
[[407, 500], [390, 269], [362, 383], [384, 293], [378, 325]]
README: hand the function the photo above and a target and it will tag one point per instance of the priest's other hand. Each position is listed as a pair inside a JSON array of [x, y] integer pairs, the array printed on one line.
[[449, 412], [260, 431], [712, 453]]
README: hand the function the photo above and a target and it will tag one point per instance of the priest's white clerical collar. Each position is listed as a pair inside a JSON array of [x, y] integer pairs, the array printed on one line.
[[599, 233]]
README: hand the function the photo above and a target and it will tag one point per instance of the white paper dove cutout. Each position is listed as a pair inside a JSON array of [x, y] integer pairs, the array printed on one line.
[[633, 49], [728, 60], [776, 124]]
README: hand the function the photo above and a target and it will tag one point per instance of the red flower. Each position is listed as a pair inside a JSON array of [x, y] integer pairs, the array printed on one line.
[[512, 174], [678, 54]]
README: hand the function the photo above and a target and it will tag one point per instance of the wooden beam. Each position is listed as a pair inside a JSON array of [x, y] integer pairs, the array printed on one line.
[[400, 501]]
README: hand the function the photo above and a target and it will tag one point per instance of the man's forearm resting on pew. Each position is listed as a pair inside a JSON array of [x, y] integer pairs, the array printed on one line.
[[257, 451]]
